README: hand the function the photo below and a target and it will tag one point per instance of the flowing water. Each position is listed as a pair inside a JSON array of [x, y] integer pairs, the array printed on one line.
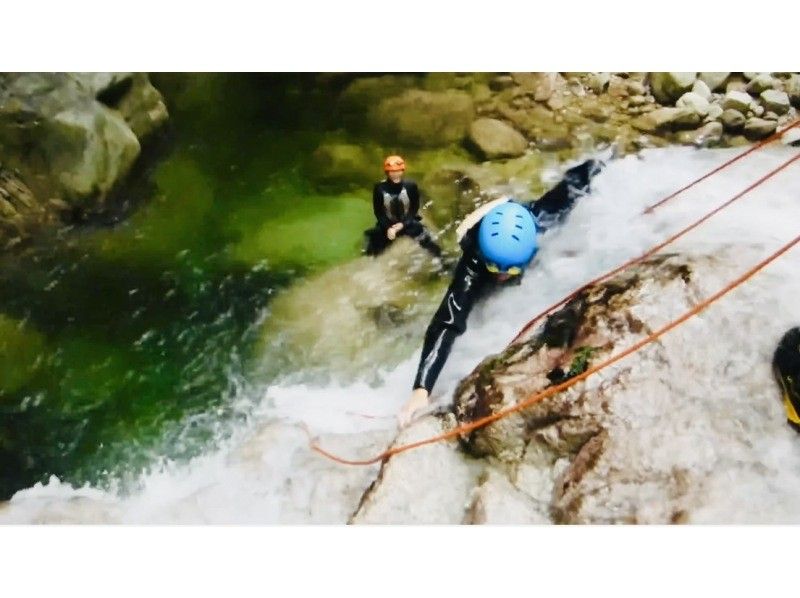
[[167, 378]]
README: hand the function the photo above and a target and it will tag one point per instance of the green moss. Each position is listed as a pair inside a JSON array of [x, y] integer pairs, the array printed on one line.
[[580, 361]]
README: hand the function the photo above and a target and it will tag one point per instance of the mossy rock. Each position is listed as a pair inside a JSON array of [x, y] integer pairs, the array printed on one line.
[[419, 118], [364, 93], [348, 318], [345, 166]]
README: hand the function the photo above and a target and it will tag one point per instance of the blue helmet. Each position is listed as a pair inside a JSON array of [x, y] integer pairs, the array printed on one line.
[[507, 237]]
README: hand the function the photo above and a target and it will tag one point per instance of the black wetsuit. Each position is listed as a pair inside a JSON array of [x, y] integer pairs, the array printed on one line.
[[393, 203], [471, 279], [786, 365]]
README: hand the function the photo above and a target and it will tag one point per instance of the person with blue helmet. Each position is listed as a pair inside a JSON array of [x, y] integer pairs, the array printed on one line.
[[495, 250]]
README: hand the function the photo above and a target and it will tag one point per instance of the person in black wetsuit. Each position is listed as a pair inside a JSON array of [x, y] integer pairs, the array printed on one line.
[[395, 202], [786, 367], [495, 250]]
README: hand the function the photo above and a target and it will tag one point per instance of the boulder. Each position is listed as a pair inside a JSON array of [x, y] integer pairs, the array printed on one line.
[[668, 87], [715, 111], [598, 82], [667, 118], [492, 139], [732, 120], [758, 128], [761, 83], [74, 136], [714, 81], [737, 100], [422, 118], [694, 102], [702, 89], [775, 101]]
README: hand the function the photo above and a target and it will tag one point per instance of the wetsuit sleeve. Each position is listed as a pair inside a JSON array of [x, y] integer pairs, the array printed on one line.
[[378, 208], [558, 201], [413, 197], [449, 321]]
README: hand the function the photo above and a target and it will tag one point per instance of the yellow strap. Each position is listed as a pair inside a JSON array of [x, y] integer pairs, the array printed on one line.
[[791, 412]]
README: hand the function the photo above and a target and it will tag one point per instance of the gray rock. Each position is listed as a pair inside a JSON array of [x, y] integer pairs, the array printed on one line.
[[493, 139], [715, 112], [702, 89], [770, 116], [732, 120], [758, 110], [715, 81], [762, 82], [667, 118], [668, 87], [737, 100], [707, 135], [758, 128], [694, 102], [598, 82], [775, 101], [64, 142]]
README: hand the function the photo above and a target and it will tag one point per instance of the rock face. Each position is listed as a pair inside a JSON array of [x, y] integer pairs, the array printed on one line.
[[423, 118], [571, 450], [491, 139], [593, 453], [668, 87], [66, 140], [74, 136]]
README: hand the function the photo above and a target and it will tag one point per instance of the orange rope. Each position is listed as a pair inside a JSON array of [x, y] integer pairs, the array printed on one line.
[[652, 250], [537, 397], [722, 166]]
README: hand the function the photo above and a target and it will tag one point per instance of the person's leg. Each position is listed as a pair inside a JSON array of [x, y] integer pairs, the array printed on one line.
[[376, 240], [420, 234]]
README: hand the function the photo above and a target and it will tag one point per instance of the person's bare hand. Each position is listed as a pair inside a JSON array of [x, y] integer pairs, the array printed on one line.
[[392, 231], [417, 402]]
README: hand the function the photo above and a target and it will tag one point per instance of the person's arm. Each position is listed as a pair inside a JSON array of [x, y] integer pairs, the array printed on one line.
[[558, 201], [413, 197], [379, 209]]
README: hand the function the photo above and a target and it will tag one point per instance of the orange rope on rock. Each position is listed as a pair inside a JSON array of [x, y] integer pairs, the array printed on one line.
[[537, 397], [652, 250]]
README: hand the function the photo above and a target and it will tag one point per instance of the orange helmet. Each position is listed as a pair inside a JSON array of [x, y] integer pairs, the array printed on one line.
[[393, 164]]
